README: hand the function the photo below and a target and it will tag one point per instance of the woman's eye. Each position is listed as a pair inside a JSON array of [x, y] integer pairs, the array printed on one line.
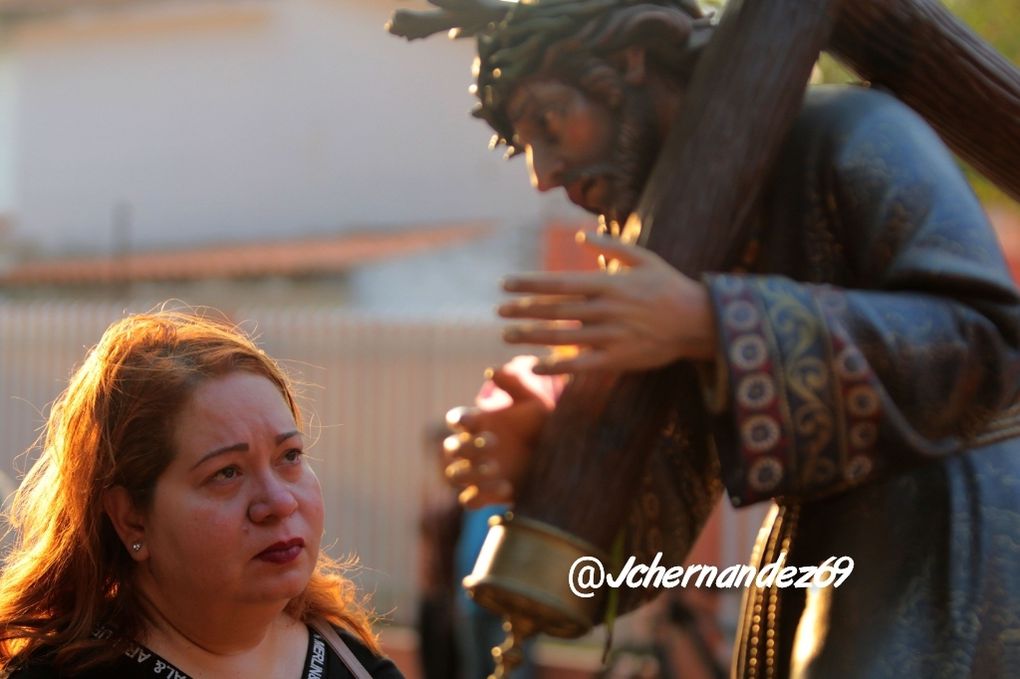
[[293, 455], [226, 474]]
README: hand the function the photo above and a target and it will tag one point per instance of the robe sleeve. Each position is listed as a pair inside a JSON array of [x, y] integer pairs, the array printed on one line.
[[818, 388]]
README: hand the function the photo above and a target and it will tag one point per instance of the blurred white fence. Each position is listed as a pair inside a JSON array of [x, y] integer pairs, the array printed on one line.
[[370, 388]]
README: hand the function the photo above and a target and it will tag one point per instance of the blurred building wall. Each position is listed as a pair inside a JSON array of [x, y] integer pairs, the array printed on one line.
[[7, 134], [250, 118]]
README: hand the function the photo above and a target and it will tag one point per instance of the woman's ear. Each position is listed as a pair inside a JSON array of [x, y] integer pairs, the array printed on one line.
[[127, 521]]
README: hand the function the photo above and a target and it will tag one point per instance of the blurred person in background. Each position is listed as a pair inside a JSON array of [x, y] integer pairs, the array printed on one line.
[[439, 530], [172, 524], [480, 630]]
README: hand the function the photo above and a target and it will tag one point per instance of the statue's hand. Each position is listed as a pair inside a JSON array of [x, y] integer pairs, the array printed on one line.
[[489, 453], [645, 315]]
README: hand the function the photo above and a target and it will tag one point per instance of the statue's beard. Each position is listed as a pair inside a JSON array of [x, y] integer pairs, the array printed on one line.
[[634, 154], [630, 162]]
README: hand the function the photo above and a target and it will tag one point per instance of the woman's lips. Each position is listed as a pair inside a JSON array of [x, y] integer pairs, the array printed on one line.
[[282, 552]]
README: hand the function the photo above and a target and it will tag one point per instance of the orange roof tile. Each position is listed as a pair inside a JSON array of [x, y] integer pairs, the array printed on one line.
[[328, 254]]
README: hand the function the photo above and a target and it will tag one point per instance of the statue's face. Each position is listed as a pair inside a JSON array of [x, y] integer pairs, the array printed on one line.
[[600, 156]]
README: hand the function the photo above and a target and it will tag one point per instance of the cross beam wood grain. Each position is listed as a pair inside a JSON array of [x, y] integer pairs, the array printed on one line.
[[965, 89]]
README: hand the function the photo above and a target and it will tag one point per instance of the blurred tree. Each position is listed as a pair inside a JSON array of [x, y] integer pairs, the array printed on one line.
[[997, 21]]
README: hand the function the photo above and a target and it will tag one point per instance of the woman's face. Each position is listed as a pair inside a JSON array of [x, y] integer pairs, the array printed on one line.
[[237, 515]]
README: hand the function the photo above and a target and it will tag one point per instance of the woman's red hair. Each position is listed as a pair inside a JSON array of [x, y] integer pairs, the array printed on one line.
[[68, 573]]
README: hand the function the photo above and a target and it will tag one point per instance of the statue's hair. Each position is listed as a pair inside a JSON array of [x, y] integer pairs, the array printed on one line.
[[517, 40]]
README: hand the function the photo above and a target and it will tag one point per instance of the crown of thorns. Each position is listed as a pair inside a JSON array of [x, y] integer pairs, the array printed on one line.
[[513, 38]]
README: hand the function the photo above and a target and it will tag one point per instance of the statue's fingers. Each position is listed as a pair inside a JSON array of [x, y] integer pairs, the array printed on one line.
[[463, 419], [556, 309], [490, 493], [460, 473], [612, 248], [584, 283], [584, 361], [467, 446], [557, 335]]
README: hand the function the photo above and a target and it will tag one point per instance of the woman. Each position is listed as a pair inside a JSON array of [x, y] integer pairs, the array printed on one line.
[[171, 526]]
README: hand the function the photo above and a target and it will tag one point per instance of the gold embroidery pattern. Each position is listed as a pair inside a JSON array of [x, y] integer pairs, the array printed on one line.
[[800, 335]]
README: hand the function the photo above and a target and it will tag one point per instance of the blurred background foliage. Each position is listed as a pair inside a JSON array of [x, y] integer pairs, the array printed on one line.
[[997, 21]]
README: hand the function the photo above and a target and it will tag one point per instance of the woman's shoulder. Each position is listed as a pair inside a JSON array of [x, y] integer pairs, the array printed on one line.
[[380, 667]]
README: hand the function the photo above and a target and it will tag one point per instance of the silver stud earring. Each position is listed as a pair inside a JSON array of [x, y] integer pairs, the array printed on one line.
[[136, 546]]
